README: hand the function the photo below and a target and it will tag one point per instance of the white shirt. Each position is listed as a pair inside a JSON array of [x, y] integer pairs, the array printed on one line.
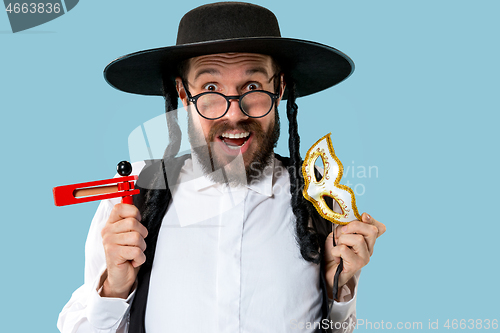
[[226, 261]]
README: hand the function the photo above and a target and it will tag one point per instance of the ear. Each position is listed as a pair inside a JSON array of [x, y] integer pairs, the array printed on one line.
[[282, 88], [179, 86]]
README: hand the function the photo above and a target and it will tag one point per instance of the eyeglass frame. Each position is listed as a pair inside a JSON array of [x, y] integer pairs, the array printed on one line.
[[195, 98]]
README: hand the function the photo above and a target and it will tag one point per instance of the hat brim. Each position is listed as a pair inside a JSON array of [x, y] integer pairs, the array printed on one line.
[[313, 66]]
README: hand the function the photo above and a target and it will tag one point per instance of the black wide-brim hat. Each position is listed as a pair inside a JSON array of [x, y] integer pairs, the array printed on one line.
[[231, 27]]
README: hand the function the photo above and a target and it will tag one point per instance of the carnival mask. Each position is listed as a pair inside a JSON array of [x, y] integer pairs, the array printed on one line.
[[328, 186]]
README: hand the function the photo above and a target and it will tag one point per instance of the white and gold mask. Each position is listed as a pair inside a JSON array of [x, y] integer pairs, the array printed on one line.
[[328, 186]]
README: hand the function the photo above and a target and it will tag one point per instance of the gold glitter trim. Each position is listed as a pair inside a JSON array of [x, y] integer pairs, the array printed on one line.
[[308, 172]]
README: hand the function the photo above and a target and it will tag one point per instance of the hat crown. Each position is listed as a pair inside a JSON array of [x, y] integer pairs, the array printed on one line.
[[231, 27], [226, 20]]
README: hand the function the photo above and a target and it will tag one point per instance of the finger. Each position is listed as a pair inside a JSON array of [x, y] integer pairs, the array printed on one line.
[[128, 239], [133, 254], [358, 245], [337, 232], [366, 218], [127, 225], [328, 249], [122, 211], [352, 262], [368, 231]]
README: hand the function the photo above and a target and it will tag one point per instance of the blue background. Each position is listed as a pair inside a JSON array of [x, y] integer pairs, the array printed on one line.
[[422, 107]]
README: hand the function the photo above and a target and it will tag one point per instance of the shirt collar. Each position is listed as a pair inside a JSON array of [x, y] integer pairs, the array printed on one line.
[[262, 186], [202, 180]]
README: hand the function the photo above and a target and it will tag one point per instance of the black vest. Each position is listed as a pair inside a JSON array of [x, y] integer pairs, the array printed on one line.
[[152, 169]]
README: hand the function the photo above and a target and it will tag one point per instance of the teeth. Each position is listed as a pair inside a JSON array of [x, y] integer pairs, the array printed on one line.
[[235, 136]]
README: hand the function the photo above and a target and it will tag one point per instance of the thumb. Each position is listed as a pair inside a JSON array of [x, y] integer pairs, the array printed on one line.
[[330, 254]]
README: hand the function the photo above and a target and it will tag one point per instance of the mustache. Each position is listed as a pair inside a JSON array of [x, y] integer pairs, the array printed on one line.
[[247, 125]]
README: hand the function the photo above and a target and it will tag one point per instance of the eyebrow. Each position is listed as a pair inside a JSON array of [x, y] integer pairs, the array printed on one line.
[[216, 72], [257, 70], [212, 71]]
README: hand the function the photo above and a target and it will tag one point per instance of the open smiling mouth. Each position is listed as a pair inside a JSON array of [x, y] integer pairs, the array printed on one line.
[[235, 141]]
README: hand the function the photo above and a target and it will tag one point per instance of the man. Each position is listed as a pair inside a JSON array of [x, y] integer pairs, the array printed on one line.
[[214, 243]]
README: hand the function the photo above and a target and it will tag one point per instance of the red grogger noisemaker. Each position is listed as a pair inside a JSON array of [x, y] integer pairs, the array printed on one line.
[[99, 190]]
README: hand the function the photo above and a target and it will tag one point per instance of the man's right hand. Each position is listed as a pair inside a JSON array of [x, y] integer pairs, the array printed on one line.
[[124, 245]]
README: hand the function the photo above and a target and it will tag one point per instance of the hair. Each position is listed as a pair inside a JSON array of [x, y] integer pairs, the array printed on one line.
[[307, 236], [155, 205]]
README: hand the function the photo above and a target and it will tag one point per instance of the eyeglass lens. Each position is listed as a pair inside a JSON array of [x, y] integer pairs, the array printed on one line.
[[254, 104]]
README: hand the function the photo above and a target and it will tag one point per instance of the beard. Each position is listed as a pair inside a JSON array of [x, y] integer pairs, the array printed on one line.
[[234, 170]]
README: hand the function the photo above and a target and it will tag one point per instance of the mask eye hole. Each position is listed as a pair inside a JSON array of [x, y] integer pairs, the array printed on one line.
[[330, 203], [319, 168]]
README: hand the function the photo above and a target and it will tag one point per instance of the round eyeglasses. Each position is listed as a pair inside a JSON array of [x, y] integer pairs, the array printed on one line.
[[213, 105]]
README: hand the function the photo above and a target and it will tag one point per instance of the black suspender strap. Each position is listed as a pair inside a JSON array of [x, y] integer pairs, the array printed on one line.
[[151, 179], [323, 228]]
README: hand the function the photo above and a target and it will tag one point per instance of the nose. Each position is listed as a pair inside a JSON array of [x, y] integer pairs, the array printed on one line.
[[234, 114]]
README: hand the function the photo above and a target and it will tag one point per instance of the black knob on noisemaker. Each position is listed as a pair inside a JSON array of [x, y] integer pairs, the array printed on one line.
[[124, 168]]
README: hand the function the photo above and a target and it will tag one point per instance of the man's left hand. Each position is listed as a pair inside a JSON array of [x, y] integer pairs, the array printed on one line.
[[354, 244]]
